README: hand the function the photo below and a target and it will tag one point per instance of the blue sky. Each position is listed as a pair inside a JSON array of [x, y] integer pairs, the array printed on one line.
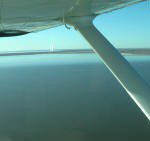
[[125, 28]]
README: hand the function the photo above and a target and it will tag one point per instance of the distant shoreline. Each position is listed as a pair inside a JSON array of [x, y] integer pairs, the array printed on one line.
[[126, 52]]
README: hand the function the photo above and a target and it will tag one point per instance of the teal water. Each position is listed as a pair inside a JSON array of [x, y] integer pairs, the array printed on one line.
[[66, 59], [68, 98], [40, 60]]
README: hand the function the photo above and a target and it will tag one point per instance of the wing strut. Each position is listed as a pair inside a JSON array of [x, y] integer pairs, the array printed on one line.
[[127, 76]]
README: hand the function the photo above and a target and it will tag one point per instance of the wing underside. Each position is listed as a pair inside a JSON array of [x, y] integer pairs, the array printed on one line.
[[36, 15]]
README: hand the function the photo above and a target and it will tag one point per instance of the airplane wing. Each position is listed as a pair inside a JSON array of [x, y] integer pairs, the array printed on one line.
[[18, 17]]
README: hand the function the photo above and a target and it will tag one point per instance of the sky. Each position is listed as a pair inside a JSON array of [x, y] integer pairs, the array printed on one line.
[[125, 28]]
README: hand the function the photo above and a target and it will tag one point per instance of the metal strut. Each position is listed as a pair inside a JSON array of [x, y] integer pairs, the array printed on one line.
[[127, 76]]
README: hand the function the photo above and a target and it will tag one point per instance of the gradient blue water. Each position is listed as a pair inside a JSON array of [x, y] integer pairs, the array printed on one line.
[[68, 98]]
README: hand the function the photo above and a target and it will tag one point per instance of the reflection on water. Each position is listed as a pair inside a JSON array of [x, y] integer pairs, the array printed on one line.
[[67, 98], [42, 60]]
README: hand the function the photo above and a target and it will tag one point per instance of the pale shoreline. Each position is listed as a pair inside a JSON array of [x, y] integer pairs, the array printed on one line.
[[124, 51]]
